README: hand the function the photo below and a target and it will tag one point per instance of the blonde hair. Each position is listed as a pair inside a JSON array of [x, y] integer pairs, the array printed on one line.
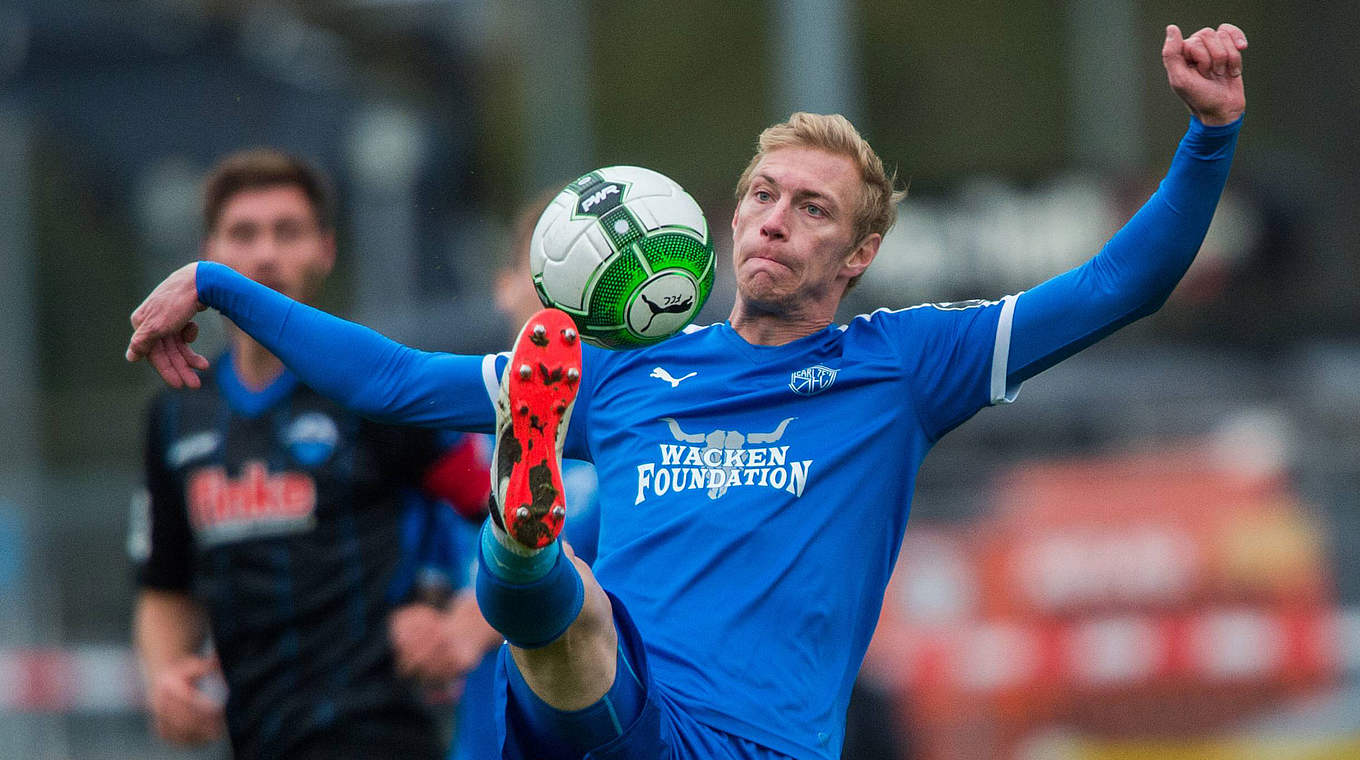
[[877, 208]]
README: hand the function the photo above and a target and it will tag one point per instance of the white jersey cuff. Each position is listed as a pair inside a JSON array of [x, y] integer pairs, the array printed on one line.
[[1001, 392], [491, 378]]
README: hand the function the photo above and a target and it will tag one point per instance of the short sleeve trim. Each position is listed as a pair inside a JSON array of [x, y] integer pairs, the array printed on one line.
[[490, 377], [1001, 392]]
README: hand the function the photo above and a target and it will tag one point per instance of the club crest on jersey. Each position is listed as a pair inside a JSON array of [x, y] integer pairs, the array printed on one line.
[[813, 380], [311, 438], [720, 460], [256, 503]]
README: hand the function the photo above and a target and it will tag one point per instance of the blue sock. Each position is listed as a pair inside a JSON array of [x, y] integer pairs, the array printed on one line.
[[509, 565], [580, 730], [530, 600]]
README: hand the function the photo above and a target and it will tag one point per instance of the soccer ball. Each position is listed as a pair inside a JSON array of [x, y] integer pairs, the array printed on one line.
[[626, 252]]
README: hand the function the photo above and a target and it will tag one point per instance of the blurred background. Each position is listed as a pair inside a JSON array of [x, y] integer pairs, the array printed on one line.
[[1154, 553]]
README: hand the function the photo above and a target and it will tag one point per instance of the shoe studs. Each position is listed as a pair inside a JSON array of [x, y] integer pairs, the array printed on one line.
[[573, 374], [539, 335], [525, 372], [569, 335], [559, 512], [522, 513]]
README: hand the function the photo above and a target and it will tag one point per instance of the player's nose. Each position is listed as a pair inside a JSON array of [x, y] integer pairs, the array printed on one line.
[[267, 251], [261, 264], [775, 224]]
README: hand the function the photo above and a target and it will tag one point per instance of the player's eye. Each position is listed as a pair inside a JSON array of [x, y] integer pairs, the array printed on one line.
[[289, 230], [815, 210], [243, 234], [763, 196]]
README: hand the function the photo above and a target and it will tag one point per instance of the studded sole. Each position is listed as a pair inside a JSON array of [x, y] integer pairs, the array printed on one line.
[[542, 379]]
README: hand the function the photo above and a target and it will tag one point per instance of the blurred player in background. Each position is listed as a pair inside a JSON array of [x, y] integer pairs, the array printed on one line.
[[284, 526], [438, 646], [751, 513]]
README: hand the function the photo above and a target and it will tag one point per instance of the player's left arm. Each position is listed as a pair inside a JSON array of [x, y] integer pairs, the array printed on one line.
[[1135, 272]]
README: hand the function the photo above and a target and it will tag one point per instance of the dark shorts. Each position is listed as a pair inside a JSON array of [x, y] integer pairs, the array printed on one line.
[[404, 740]]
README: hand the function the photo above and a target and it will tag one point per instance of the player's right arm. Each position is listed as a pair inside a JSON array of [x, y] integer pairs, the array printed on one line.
[[353, 365], [169, 629]]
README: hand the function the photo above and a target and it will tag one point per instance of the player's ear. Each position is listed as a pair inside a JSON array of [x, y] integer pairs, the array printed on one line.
[[862, 255], [327, 262]]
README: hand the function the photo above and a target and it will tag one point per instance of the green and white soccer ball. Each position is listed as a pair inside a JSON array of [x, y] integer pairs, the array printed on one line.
[[626, 252]]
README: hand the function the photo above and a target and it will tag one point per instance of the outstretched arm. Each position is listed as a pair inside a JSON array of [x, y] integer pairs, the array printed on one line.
[[352, 364], [1135, 272]]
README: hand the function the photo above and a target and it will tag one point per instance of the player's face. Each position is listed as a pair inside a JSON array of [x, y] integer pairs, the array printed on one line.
[[272, 236], [792, 231]]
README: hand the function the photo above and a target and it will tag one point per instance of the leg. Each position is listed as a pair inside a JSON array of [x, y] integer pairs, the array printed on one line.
[[530, 586], [529, 590], [577, 669], [627, 723]]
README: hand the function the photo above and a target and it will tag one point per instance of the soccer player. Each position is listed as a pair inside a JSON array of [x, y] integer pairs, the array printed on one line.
[[751, 513], [283, 524]]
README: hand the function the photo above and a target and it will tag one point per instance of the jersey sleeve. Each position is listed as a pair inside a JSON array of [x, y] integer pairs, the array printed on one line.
[[353, 365], [161, 543], [1134, 274], [576, 445], [952, 352]]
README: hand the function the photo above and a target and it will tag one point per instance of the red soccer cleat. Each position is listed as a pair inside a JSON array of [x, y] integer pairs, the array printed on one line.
[[538, 391]]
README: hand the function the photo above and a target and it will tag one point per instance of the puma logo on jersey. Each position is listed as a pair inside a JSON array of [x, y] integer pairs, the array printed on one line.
[[661, 374], [192, 447]]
